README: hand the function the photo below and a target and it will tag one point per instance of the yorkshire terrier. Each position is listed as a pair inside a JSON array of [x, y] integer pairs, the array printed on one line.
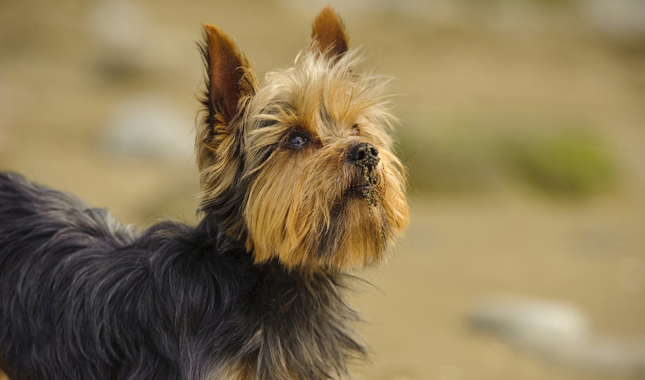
[[300, 188]]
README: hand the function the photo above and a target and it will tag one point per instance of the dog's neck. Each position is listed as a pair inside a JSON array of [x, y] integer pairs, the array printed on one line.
[[303, 324]]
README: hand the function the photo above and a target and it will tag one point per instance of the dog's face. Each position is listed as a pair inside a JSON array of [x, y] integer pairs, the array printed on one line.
[[301, 169]]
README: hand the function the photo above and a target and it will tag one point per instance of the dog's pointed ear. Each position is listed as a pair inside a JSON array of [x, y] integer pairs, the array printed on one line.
[[229, 86], [229, 75], [330, 34]]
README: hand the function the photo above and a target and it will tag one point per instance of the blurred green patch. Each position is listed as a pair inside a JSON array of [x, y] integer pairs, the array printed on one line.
[[566, 162], [477, 157]]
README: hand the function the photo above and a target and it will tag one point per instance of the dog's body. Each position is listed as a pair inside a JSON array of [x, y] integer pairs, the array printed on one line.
[[295, 195], [85, 299]]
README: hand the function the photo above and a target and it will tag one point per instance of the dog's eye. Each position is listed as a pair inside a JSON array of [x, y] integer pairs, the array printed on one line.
[[297, 140], [355, 130]]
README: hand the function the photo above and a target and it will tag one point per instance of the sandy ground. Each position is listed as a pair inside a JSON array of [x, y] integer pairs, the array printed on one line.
[[59, 83]]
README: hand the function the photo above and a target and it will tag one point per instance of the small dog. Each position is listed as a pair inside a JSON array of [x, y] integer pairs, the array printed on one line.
[[300, 187]]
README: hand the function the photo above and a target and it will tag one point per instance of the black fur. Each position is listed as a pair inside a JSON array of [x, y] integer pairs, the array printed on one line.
[[83, 297]]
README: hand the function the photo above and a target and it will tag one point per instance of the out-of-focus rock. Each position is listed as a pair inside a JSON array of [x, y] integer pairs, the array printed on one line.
[[559, 332], [530, 322], [148, 127], [618, 18]]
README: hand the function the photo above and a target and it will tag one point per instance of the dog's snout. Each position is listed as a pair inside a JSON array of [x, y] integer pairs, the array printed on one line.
[[364, 154]]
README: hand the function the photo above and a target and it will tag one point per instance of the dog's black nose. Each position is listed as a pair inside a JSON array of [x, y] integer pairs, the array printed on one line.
[[364, 154]]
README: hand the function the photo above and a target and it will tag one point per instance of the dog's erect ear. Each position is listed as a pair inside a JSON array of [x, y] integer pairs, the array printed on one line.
[[230, 84], [330, 34], [230, 77]]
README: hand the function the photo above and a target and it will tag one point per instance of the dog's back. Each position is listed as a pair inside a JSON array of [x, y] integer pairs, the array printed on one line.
[[74, 288], [32, 215], [50, 243], [83, 297]]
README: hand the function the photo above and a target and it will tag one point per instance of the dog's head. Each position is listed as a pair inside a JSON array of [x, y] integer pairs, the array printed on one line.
[[300, 169]]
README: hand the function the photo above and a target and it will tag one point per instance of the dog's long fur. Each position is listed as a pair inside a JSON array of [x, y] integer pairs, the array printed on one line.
[[299, 187], [83, 298]]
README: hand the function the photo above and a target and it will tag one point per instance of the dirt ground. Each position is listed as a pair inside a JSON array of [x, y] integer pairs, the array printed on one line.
[[62, 76]]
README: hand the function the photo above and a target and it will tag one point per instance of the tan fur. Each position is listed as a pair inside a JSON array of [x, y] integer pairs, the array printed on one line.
[[299, 205]]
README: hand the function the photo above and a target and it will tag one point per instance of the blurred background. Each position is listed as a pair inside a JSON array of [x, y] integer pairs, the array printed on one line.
[[522, 127]]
